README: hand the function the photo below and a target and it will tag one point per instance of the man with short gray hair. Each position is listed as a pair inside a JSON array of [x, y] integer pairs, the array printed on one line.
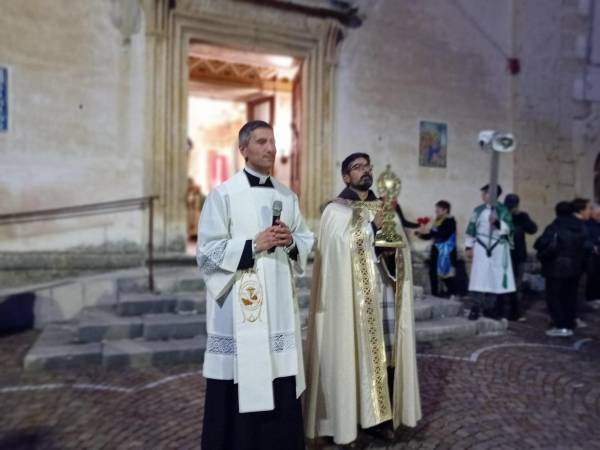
[[251, 240]]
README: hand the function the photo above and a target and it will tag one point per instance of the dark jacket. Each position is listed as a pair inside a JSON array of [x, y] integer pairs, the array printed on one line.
[[403, 220], [522, 224], [593, 230], [441, 234], [569, 234]]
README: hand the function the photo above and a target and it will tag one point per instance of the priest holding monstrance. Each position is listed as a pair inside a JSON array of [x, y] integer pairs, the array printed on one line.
[[251, 238], [361, 358]]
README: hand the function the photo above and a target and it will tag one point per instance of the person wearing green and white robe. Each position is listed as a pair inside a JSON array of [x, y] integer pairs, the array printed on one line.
[[488, 243]]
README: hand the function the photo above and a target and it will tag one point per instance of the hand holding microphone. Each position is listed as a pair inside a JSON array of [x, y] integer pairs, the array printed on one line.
[[277, 235]]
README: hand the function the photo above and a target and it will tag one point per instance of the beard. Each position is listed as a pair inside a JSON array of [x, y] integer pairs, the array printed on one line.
[[365, 182]]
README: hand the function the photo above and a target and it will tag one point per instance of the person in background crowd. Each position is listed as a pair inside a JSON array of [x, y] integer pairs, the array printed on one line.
[[487, 244], [592, 290], [193, 201], [522, 225], [561, 249], [442, 259], [582, 209]]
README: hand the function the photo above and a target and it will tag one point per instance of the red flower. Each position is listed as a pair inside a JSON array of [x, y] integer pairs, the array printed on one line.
[[423, 220]]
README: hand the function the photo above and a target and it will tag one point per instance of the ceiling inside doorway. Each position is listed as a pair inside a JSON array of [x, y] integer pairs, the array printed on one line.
[[233, 74]]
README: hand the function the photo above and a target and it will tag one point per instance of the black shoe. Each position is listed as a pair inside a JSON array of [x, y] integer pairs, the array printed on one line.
[[474, 314], [384, 431]]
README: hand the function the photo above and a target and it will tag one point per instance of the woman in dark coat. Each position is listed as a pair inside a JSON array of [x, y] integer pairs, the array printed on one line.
[[561, 250], [442, 260]]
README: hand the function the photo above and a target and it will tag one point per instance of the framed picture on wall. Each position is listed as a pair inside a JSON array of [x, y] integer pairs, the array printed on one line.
[[433, 144], [3, 99]]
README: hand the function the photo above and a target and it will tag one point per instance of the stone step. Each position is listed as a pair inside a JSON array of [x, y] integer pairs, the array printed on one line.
[[134, 353], [457, 328], [173, 326], [429, 307], [184, 280], [174, 260], [418, 292], [96, 325], [166, 340], [137, 304], [166, 284], [55, 349]]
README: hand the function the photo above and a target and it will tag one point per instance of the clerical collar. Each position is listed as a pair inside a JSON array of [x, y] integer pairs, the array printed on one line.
[[349, 194], [257, 179]]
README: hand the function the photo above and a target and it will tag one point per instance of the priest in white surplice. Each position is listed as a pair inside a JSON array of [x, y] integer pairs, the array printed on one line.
[[253, 360], [361, 352]]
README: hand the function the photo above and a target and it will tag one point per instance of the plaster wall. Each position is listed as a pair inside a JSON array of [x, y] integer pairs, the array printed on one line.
[[81, 126], [426, 61], [76, 131]]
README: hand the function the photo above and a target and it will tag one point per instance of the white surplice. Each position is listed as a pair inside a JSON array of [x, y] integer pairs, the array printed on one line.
[[493, 273], [233, 213]]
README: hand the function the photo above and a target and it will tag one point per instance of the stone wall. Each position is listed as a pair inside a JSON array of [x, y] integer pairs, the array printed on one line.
[[82, 124], [76, 133], [544, 110], [447, 61]]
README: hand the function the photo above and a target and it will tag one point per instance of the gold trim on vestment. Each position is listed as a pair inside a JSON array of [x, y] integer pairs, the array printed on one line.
[[367, 311]]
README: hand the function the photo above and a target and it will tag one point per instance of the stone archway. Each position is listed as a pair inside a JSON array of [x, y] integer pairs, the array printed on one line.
[[169, 32]]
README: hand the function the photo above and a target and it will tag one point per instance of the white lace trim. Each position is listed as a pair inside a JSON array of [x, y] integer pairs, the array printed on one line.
[[225, 345], [211, 261]]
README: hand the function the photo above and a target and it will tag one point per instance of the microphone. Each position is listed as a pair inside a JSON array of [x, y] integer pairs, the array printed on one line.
[[277, 207]]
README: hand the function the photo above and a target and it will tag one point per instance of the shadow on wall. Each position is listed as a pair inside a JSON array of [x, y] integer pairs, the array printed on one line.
[[16, 313]]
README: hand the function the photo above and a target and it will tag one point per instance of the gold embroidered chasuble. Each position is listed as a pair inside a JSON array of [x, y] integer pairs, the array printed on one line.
[[346, 361]]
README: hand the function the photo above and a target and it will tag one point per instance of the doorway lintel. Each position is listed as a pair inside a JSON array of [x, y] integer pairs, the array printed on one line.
[[314, 45]]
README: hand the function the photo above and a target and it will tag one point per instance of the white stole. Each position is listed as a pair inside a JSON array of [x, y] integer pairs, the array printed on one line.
[[253, 369]]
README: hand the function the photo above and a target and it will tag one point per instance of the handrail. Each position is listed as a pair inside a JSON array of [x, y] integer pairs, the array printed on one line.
[[95, 209], [75, 211]]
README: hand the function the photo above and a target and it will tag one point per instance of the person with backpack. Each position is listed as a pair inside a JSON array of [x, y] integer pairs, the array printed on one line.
[[561, 250], [522, 224]]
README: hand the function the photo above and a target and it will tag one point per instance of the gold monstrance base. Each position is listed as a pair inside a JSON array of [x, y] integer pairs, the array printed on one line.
[[388, 244], [388, 236]]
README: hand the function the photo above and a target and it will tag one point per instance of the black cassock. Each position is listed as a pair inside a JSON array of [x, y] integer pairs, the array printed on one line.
[[226, 429]]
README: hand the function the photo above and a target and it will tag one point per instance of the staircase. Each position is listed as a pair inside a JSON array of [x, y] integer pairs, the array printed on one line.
[[141, 329]]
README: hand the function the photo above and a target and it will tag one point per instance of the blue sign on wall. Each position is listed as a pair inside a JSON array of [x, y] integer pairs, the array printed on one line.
[[3, 99]]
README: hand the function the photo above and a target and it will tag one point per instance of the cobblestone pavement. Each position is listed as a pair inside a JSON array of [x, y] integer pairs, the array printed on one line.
[[522, 390]]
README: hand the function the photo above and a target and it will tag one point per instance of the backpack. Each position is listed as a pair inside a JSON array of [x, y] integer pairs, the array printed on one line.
[[547, 245]]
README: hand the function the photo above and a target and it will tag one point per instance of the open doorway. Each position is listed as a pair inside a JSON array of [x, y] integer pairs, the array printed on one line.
[[227, 87]]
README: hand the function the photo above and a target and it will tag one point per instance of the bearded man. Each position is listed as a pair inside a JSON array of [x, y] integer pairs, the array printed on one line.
[[362, 362]]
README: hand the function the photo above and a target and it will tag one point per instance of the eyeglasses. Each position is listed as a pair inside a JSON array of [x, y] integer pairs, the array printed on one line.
[[362, 167]]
